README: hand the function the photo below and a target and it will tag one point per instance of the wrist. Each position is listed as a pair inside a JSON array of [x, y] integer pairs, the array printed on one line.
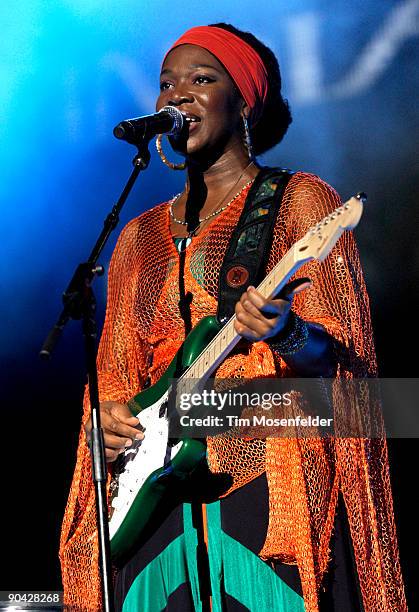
[[292, 338]]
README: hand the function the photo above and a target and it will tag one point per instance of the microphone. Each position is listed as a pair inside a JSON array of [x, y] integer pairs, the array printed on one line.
[[169, 120]]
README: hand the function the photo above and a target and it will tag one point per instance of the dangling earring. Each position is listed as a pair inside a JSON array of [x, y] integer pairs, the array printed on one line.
[[163, 157], [247, 139]]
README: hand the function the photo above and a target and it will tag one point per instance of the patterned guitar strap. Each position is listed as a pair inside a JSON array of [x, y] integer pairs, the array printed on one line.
[[247, 255]]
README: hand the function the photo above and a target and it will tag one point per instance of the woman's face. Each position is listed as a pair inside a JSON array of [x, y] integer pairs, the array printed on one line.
[[194, 81]]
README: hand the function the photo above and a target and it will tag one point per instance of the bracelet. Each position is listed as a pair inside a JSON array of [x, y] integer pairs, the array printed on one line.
[[292, 338]]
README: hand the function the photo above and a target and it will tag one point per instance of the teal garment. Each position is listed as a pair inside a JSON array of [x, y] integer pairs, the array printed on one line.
[[197, 269], [234, 569]]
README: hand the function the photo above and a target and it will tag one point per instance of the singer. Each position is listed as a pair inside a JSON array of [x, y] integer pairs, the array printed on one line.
[[303, 524]]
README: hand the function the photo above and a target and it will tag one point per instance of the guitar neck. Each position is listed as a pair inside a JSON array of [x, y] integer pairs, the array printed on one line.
[[316, 244], [226, 339]]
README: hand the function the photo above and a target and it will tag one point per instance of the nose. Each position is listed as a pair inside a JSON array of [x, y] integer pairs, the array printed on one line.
[[179, 94]]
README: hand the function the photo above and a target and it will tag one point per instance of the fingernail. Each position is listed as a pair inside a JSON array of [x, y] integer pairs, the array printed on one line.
[[128, 443], [139, 436]]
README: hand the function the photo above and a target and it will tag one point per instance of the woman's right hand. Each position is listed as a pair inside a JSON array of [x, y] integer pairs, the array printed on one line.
[[119, 428]]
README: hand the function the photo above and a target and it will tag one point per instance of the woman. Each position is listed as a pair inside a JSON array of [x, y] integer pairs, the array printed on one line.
[[267, 542]]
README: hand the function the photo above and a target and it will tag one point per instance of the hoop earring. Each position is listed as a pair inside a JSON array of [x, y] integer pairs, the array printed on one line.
[[180, 166], [247, 138]]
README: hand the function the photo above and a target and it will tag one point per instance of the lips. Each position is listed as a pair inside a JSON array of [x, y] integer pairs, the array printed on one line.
[[192, 121], [190, 118], [193, 126]]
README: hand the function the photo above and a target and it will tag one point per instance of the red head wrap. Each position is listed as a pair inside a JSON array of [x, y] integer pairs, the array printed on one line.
[[241, 61]]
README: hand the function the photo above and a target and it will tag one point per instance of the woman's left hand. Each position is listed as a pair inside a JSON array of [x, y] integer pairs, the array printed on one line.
[[258, 318]]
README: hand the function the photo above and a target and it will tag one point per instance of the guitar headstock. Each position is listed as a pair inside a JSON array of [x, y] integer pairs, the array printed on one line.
[[322, 237]]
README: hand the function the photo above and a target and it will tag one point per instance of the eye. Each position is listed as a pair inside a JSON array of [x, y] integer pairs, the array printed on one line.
[[163, 85], [202, 78]]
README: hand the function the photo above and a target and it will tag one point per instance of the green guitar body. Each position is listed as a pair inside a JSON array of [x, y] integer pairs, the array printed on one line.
[[173, 483]]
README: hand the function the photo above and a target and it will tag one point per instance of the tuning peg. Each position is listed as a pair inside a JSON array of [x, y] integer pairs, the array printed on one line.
[[362, 196]]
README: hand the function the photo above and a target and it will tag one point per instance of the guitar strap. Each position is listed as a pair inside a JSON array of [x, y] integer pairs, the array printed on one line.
[[247, 254]]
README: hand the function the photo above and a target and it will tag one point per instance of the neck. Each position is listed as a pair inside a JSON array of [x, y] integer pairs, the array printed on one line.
[[212, 183], [217, 176]]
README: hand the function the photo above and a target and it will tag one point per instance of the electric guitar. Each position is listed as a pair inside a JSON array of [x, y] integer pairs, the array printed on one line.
[[144, 480]]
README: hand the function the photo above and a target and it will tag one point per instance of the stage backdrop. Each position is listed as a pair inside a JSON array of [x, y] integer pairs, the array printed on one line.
[[72, 69]]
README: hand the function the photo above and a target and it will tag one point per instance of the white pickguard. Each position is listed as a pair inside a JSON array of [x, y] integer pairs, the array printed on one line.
[[141, 459]]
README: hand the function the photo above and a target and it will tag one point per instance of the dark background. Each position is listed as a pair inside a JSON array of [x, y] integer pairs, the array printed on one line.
[[70, 71]]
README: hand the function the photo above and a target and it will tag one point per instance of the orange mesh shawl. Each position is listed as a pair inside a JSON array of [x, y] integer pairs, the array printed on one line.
[[142, 332]]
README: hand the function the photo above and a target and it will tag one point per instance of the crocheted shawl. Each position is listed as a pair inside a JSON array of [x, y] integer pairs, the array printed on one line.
[[143, 330]]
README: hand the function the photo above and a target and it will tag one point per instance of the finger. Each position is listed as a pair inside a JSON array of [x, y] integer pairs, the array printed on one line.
[[122, 413], [264, 326], [259, 324], [301, 288], [132, 421], [255, 297], [246, 332], [271, 309], [294, 287], [119, 411], [266, 309], [114, 426], [251, 328], [117, 442], [247, 307], [111, 455]]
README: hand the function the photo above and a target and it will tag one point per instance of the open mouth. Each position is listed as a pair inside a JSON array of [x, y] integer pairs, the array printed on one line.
[[192, 121], [190, 125]]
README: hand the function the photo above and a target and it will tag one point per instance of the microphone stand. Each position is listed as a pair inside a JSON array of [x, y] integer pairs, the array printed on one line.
[[80, 303]]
